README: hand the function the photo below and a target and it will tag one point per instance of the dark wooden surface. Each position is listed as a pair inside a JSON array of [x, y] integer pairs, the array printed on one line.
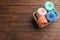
[[16, 21]]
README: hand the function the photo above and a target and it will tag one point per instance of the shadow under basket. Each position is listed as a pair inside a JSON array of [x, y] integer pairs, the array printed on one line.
[[36, 18]]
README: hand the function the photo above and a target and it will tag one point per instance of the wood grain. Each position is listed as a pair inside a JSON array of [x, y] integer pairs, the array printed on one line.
[[36, 35], [54, 27], [26, 2], [22, 2]]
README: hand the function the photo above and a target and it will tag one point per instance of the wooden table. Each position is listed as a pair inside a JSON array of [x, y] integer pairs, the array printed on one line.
[[16, 21]]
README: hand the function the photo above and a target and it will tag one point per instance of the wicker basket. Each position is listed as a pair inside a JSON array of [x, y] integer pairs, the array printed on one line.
[[35, 18]]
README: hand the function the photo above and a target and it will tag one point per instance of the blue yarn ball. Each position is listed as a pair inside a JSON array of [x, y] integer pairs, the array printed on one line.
[[55, 12], [51, 15]]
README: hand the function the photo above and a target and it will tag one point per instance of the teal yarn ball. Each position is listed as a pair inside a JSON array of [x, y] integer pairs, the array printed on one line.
[[49, 6]]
